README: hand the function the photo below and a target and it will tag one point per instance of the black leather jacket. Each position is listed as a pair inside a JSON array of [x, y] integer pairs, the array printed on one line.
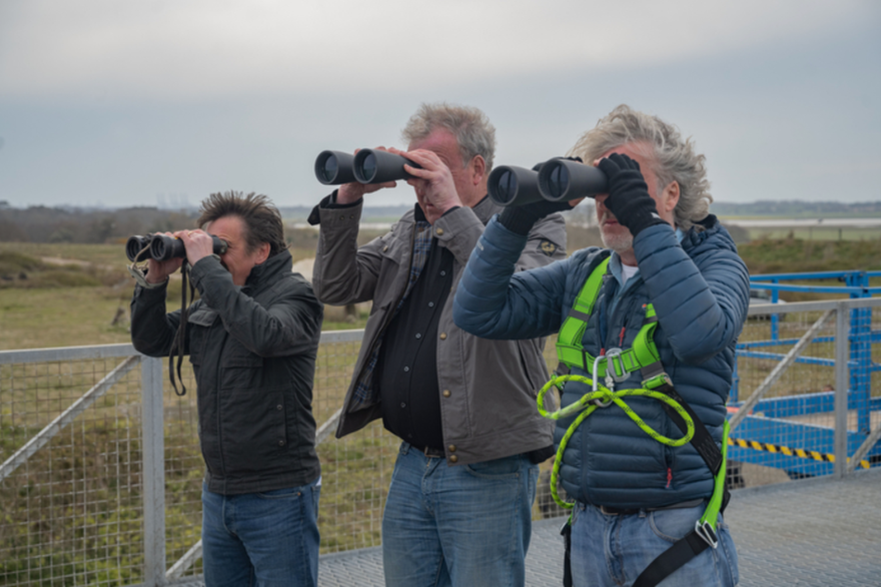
[[253, 351]]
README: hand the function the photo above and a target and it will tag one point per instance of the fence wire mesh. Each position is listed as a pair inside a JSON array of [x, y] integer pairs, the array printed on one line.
[[789, 433], [72, 513]]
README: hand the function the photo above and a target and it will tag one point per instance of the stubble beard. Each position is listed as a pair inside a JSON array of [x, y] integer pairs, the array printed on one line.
[[619, 240]]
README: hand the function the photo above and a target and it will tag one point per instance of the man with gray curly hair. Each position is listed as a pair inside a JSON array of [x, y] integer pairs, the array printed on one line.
[[459, 508], [647, 332]]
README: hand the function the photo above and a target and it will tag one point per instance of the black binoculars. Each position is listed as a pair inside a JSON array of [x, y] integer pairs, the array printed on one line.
[[556, 180], [368, 166], [162, 247]]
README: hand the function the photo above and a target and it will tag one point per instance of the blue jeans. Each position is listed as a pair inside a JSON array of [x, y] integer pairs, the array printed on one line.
[[261, 539], [459, 526], [613, 550]]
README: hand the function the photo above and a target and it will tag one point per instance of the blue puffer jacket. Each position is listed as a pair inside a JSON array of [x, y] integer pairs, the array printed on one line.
[[700, 290]]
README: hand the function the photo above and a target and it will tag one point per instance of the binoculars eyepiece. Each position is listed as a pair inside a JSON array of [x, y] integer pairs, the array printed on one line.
[[557, 180], [161, 247], [367, 167]]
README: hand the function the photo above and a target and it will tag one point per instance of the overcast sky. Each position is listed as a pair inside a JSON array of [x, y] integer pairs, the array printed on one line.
[[163, 102]]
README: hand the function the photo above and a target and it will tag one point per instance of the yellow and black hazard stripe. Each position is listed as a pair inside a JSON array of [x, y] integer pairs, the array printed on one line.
[[790, 452]]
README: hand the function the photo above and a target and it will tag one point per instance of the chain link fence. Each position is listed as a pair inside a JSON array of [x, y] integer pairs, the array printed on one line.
[[90, 495]]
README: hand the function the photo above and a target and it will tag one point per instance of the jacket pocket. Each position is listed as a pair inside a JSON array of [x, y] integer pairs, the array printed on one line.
[[241, 370], [254, 431], [198, 324]]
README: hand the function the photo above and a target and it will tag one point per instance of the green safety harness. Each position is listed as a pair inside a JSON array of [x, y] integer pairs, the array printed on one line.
[[615, 366]]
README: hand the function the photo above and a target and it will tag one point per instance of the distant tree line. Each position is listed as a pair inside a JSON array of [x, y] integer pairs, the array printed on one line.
[[41, 224], [798, 209]]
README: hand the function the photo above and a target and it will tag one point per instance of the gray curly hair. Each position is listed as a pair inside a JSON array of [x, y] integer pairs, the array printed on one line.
[[471, 127], [674, 158]]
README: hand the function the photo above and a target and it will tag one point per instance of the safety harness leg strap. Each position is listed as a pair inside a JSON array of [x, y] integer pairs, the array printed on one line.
[[695, 542], [671, 559]]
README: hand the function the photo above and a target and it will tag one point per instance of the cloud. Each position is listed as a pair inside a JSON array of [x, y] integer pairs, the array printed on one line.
[[198, 49]]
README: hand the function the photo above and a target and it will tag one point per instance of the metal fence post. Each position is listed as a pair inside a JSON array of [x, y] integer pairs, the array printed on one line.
[[842, 346], [153, 472]]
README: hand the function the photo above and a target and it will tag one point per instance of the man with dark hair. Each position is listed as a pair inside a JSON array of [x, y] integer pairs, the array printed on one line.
[[647, 334], [460, 503], [252, 339]]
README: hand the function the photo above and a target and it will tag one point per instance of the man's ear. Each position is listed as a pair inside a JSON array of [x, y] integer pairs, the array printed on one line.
[[263, 252], [478, 172], [671, 195]]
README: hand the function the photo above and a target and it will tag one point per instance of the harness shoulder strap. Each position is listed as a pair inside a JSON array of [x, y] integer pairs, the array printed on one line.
[[573, 327]]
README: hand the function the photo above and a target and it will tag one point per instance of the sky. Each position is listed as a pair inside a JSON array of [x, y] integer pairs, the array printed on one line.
[[162, 102]]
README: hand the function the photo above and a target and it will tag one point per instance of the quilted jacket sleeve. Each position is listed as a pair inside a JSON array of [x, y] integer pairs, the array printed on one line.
[[701, 302], [492, 301]]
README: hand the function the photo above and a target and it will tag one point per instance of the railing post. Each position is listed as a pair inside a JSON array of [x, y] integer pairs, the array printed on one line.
[[842, 379], [153, 472]]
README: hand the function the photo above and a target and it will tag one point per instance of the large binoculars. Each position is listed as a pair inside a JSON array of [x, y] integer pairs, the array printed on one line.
[[367, 166], [161, 247], [556, 180]]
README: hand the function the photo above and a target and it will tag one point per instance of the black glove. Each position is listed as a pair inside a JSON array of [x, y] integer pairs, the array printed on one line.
[[629, 198], [520, 219]]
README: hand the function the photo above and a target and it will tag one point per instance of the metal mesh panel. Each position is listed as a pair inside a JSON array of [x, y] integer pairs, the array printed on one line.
[[184, 469], [356, 470], [789, 433], [71, 513]]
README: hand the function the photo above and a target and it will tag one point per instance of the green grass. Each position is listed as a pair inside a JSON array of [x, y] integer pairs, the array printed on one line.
[[816, 234]]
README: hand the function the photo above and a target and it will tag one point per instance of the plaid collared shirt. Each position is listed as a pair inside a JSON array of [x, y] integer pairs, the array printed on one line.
[[364, 390]]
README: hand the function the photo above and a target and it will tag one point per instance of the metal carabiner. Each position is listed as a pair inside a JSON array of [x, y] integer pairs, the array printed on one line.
[[594, 377]]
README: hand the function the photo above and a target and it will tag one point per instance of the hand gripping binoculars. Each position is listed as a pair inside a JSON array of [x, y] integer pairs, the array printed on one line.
[[368, 166], [556, 180], [161, 247]]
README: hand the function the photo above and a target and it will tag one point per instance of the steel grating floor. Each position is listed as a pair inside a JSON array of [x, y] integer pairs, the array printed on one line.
[[816, 532]]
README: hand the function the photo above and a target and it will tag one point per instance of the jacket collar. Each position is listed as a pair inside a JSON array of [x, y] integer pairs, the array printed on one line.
[[269, 271], [485, 209]]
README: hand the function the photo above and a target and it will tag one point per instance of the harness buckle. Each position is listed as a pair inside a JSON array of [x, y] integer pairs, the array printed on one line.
[[706, 532], [613, 362]]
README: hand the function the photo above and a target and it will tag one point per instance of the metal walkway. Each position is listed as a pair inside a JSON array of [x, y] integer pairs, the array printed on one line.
[[811, 533]]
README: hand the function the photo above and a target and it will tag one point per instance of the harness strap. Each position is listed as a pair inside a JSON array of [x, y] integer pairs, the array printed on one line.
[[671, 559], [696, 541], [178, 344], [702, 441]]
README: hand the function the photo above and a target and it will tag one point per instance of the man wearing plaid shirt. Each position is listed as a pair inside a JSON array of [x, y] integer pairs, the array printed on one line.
[[459, 506]]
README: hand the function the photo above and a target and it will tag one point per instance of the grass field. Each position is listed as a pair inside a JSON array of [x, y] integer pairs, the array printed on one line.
[[816, 234]]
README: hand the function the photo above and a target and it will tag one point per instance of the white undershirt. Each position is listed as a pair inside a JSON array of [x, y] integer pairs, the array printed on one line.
[[628, 271]]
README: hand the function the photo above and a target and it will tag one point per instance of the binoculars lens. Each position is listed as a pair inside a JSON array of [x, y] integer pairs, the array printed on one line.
[[329, 169], [134, 245], [334, 168], [513, 186], [366, 166], [558, 182], [507, 186]]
